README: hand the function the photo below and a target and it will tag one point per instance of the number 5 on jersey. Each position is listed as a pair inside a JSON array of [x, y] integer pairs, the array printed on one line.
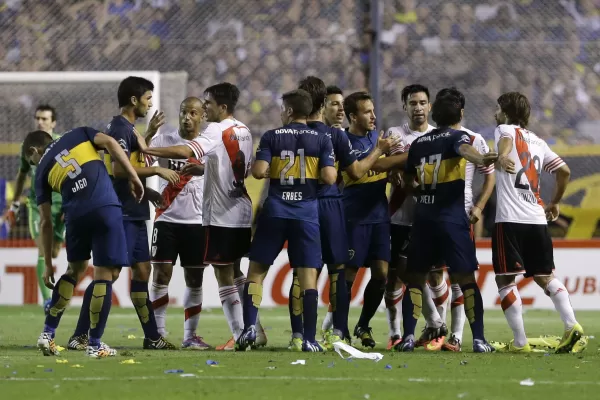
[[429, 175], [74, 169]]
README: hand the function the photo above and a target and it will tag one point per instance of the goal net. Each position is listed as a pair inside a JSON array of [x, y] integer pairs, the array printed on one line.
[[80, 99]]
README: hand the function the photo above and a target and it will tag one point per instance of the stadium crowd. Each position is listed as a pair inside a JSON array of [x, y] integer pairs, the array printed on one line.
[[548, 50]]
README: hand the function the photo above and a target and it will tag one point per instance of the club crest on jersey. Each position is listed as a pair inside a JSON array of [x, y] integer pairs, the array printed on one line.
[[351, 253]]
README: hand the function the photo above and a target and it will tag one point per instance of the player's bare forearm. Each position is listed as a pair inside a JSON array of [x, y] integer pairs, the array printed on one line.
[[470, 153], [397, 161], [260, 169], [563, 174], [19, 184], [489, 181], [174, 152], [504, 146], [46, 233], [328, 175], [358, 169]]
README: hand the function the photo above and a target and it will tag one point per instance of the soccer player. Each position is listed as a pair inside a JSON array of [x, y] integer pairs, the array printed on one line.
[[366, 209], [45, 118], [440, 224], [226, 146], [135, 99], [333, 113], [332, 225], [72, 167], [415, 101], [521, 243], [437, 287], [293, 157], [178, 230]]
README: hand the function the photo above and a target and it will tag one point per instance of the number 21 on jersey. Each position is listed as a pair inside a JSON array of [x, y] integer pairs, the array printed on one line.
[[293, 169], [428, 175]]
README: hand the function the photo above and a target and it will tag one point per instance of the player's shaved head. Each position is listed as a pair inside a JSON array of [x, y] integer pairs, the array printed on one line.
[[191, 112], [192, 102]]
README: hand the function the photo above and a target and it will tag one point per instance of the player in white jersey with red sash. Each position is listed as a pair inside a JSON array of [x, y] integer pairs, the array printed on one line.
[[226, 147], [415, 99], [521, 243], [178, 230]]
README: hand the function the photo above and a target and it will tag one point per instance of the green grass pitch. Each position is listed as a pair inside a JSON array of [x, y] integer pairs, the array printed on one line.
[[268, 374]]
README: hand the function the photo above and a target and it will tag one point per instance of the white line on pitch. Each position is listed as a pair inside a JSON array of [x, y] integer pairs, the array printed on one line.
[[292, 378]]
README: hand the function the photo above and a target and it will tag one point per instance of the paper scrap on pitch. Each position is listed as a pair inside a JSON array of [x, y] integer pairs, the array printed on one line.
[[527, 382], [355, 353], [299, 362]]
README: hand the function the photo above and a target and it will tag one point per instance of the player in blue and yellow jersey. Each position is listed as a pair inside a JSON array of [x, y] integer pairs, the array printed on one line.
[[366, 209], [72, 167], [294, 158], [441, 228], [135, 99], [332, 224]]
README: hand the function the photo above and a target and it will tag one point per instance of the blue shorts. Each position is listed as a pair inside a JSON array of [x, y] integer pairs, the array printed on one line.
[[433, 242], [332, 225], [137, 241], [99, 232], [304, 242], [369, 242]]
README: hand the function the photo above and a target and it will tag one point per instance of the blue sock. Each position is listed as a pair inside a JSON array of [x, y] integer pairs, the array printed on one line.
[[309, 314], [61, 296], [99, 309], [474, 309], [338, 297], [411, 308], [252, 300], [295, 306], [143, 307], [83, 323], [372, 299]]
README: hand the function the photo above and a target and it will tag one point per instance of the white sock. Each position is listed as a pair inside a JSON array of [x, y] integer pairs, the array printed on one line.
[[441, 297], [513, 311], [560, 297], [328, 320], [232, 307], [457, 312], [192, 303], [393, 310], [159, 296], [430, 313]]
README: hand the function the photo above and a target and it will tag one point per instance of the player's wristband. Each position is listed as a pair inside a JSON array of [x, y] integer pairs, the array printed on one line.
[[15, 206]]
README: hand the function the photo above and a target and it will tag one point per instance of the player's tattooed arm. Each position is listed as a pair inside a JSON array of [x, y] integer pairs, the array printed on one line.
[[260, 169], [46, 239], [563, 174], [504, 162], [489, 181]]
